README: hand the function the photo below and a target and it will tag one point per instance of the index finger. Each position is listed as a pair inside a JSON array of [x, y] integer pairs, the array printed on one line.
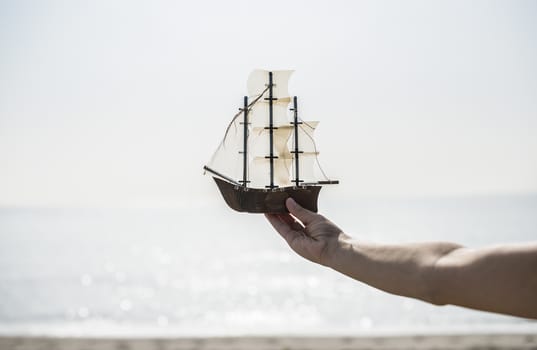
[[282, 227]]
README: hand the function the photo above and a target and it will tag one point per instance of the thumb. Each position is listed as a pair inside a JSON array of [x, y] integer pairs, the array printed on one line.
[[300, 213]]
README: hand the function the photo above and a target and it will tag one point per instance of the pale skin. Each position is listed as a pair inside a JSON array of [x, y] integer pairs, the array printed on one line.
[[500, 279]]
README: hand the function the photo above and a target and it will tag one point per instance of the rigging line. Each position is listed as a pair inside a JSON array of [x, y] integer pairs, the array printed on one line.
[[314, 148], [250, 105], [232, 122]]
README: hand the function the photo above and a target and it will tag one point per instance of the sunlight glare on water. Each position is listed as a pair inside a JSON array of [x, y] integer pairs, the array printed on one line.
[[232, 276]]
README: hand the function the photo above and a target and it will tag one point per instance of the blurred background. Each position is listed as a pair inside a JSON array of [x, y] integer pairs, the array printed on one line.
[[110, 109]]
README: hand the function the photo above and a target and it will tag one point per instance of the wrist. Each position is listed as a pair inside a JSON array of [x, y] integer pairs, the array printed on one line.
[[340, 246]]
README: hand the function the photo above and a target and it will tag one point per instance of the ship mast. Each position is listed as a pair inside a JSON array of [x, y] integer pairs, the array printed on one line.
[[245, 144], [271, 133], [296, 151]]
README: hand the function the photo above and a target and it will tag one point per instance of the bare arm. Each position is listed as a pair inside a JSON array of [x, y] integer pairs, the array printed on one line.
[[498, 279]]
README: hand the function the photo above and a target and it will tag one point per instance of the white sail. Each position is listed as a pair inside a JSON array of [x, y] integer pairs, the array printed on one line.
[[260, 172], [258, 82], [309, 169], [259, 115], [228, 158], [259, 142]]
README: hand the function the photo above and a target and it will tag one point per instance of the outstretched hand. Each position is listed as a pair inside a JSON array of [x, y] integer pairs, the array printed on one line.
[[312, 236]]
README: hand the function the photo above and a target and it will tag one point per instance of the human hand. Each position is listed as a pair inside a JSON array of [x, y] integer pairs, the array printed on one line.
[[313, 237]]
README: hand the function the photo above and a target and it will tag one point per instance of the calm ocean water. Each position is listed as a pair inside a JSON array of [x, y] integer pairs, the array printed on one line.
[[208, 270]]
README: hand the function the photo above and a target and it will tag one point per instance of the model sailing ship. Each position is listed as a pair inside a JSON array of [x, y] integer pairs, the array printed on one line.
[[264, 157]]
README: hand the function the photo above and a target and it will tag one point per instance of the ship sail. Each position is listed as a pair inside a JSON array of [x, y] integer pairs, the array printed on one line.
[[262, 153], [258, 80], [226, 160], [260, 164], [309, 170]]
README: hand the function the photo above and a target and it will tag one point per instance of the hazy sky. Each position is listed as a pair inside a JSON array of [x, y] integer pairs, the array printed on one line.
[[114, 103]]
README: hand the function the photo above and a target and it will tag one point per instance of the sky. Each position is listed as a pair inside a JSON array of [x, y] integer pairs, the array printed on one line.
[[121, 103]]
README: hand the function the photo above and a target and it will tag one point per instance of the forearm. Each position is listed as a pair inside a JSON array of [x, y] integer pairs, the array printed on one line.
[[398, 269], [498, 279]]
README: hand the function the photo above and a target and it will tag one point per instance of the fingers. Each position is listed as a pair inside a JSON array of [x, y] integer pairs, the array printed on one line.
[[285, 226], [300, 213], [291, 221]]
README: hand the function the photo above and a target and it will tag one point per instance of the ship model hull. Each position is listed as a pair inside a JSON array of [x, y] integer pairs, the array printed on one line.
[[258, 200]]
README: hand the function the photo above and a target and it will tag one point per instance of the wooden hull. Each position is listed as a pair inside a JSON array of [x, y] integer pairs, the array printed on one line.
[[257, 200]]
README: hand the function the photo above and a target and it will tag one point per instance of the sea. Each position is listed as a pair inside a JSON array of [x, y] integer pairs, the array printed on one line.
[[202, 270]]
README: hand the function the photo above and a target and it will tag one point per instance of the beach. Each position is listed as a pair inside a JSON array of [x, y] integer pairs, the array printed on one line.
[[452, 341]]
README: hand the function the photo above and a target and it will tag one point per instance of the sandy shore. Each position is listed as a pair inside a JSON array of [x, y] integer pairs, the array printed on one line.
[[474, 342]]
